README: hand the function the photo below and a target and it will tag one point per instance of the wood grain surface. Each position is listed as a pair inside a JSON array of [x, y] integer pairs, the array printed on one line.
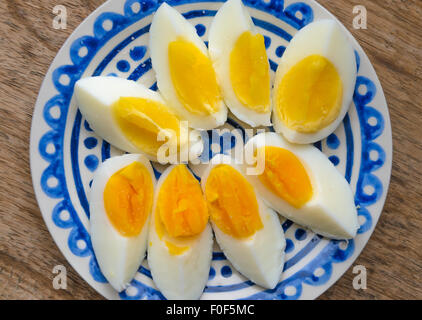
[[28, 44]]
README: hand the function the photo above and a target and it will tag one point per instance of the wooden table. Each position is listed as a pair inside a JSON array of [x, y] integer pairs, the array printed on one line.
[[28, 44]]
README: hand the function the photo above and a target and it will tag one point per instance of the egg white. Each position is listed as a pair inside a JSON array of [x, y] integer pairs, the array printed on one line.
[[167, 25], [183, 276], [331, 211], [325, 38], [95, 97], [259, 257], [118, 257], [231, 20]]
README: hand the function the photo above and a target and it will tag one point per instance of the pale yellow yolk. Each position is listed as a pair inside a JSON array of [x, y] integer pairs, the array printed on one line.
[[181, 211], [141, 120], [310, 94], [232, 202], [128, 199], [249, 72], [175, 249], [285, 175], [193, 78]]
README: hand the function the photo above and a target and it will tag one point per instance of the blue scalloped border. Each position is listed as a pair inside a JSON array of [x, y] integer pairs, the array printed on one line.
[[79, 241]]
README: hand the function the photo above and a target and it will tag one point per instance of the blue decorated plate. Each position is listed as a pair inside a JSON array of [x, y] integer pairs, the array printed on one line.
[[65, 152]]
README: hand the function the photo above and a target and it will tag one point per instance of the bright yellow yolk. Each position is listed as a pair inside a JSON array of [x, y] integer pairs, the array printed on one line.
[[193, 77], [232, 202], [249, 72], [309, 95], [128, 199], [285, 175], [141, 120], [181, 208]]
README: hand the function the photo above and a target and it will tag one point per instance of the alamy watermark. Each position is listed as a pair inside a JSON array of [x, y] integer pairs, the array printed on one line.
[[170, 152], [60, 20], [359, 281], [60, 280], [360, 18]]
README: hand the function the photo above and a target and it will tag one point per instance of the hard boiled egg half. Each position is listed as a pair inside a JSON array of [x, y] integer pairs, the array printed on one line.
[[180, 237], [185, 75], [248, 232], [314, 83], [240, 61], [134, 118], [121, 201], [300, 183]]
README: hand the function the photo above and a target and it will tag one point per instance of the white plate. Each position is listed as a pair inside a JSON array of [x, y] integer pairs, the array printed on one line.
[[65, 152]]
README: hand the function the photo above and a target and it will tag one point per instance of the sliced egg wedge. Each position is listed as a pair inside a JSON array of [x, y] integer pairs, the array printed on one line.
[[301, 183], [180, 238], [314, 83], [240, 61], [185, 75], [121, 201], [248, 232], [134, 118]]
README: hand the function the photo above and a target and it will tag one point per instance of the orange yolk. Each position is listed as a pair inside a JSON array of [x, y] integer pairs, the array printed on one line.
[[142, 119], [232, 202], [285, 175], [181, 208], [309, 96], [250, 72], [128, 199], [193, 78]]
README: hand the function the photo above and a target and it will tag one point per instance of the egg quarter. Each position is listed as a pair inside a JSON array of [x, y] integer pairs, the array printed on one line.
[[239, 57], [131, 117], [120, 204], [247, 231], [185, 75], [302, 184], [180, 237], [314, 83]]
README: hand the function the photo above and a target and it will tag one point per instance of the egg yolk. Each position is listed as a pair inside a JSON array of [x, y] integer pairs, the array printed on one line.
[[249, 72], [285, 175], [232, 202], [309, 95], [181, 208], [175, 249], [142, 119], [128, 199], [193, 78]]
